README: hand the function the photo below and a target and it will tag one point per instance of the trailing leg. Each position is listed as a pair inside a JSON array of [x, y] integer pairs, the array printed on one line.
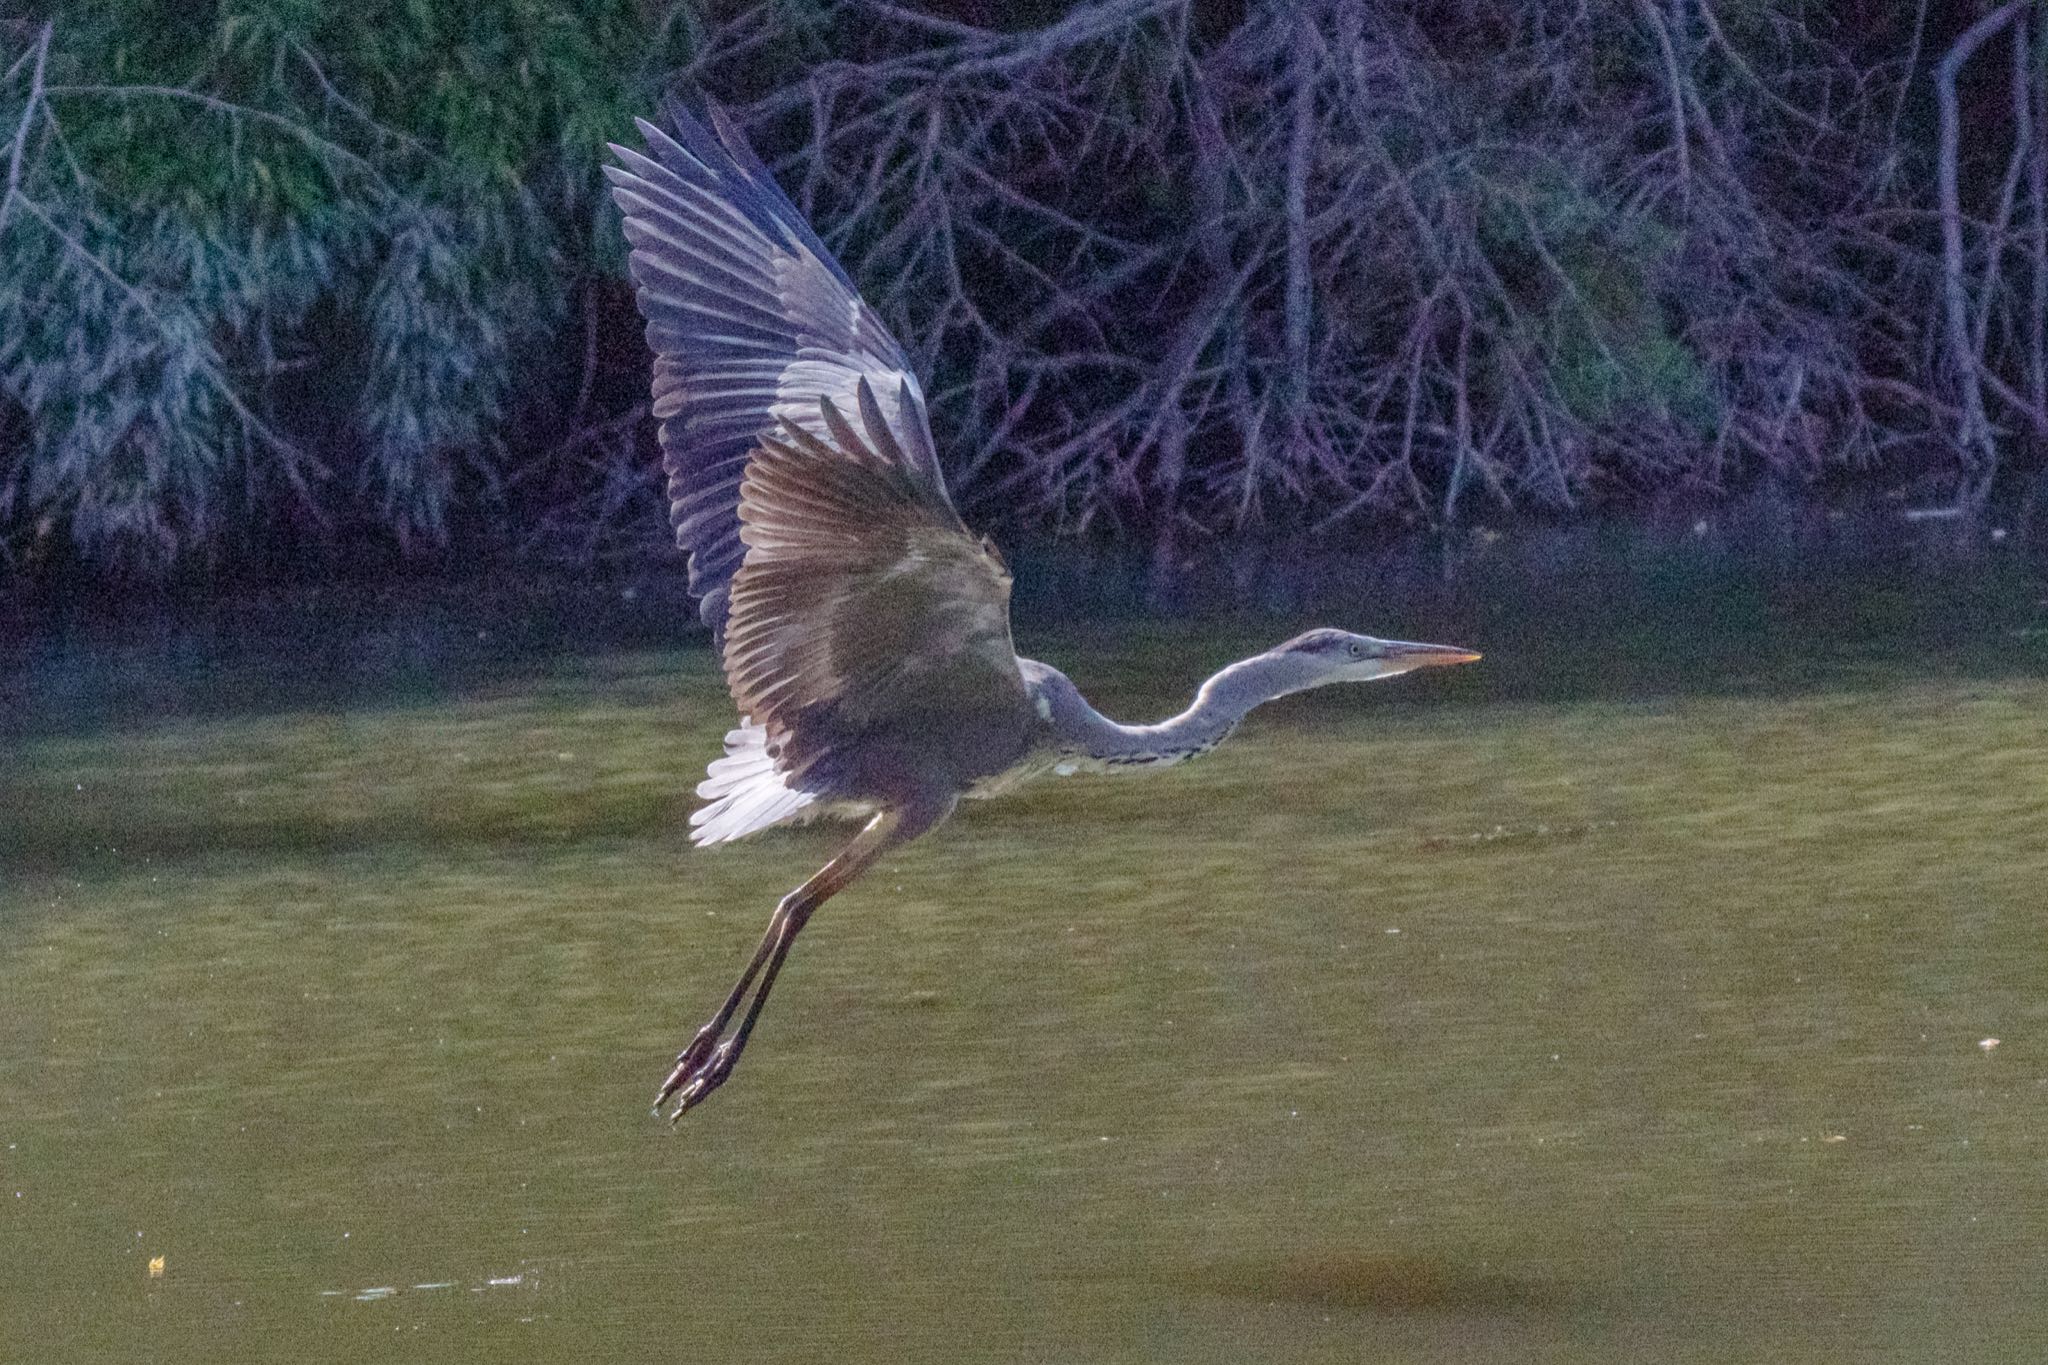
[[703, 1065]]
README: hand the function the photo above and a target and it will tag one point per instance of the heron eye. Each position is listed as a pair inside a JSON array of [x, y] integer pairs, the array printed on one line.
[[1357, 650]]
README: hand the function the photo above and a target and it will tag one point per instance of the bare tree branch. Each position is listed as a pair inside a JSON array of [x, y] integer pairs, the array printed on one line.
[[1974, 434]]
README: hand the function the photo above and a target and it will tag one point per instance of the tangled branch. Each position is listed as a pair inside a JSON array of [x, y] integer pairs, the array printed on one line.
[[1173, 272]]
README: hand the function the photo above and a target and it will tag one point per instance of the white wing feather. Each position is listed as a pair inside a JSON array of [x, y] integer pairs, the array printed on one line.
[[744, 790]]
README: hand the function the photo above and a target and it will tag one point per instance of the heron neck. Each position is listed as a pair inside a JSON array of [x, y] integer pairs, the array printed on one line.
[[1222, 701]]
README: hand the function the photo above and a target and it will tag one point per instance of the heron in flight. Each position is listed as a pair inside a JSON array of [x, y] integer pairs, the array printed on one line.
[[863, 629]]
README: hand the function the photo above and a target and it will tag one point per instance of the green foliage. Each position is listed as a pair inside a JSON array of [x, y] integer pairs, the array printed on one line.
[[284, 249], [334, 274]]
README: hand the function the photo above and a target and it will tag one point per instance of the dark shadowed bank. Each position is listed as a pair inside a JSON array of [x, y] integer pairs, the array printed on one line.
[[1761, 596], [1203, 292]]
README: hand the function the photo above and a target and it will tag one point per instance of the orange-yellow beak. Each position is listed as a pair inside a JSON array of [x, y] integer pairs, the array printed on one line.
[[1432, 656]]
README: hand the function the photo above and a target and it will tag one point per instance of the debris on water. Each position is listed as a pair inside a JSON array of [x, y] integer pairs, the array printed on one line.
[[1987, 1043], [156, 1267], [1519, 834], [372, 1295]]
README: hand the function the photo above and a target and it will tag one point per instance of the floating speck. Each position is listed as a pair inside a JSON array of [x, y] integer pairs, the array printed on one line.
[[1987, 1043]]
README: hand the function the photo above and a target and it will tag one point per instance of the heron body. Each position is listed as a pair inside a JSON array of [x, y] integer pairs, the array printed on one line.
[[863, 629]]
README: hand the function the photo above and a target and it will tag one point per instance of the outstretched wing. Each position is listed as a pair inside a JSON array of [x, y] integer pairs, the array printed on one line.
[[865, 613], [753, 325]]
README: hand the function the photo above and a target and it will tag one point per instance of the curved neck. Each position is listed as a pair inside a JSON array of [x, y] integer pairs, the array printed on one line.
[[1219, 705]]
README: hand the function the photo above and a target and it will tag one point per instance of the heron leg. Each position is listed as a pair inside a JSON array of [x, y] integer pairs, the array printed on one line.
[[773, 944], [709, 1058]]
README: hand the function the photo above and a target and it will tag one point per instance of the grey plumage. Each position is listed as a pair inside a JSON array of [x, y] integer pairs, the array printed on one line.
[[863, 629], [752, 323]]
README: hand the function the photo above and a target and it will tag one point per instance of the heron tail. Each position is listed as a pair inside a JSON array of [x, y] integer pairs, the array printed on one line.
[[745, 791]]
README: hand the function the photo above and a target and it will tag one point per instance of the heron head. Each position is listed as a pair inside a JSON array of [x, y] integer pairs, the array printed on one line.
[[1334, 656]]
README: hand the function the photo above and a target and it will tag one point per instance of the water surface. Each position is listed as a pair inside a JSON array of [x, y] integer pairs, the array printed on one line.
[[1631, 1016]]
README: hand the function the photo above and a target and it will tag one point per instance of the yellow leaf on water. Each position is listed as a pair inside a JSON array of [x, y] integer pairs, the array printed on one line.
[[156, 1267]]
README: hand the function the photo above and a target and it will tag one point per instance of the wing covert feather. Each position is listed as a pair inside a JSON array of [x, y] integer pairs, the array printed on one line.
[[863, 603]]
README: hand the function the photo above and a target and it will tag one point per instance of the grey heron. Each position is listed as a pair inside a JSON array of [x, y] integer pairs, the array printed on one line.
[[864, 631]]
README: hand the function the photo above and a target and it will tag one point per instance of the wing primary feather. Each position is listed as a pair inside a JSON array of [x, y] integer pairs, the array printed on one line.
[[687, 145], [798, 441], [732, 200], [879, 435], [764, 352], [841, 429], [744, 158]]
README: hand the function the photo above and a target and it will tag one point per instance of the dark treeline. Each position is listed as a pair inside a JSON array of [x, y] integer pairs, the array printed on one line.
[[286, 284]]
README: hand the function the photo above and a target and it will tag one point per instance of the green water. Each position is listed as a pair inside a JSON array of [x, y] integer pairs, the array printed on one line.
[[1450, 1019]]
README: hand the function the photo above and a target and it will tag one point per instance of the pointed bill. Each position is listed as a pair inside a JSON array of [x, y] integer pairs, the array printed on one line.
[[1417, 655]]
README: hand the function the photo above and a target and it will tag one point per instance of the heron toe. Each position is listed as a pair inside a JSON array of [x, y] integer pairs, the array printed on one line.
[[688, 1063], [704, 1073]]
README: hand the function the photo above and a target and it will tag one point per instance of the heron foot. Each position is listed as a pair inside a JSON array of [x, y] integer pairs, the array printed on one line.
[[700, 1068]]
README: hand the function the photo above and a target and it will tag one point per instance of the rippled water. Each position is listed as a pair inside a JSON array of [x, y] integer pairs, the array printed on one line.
[[1454, 1019]]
